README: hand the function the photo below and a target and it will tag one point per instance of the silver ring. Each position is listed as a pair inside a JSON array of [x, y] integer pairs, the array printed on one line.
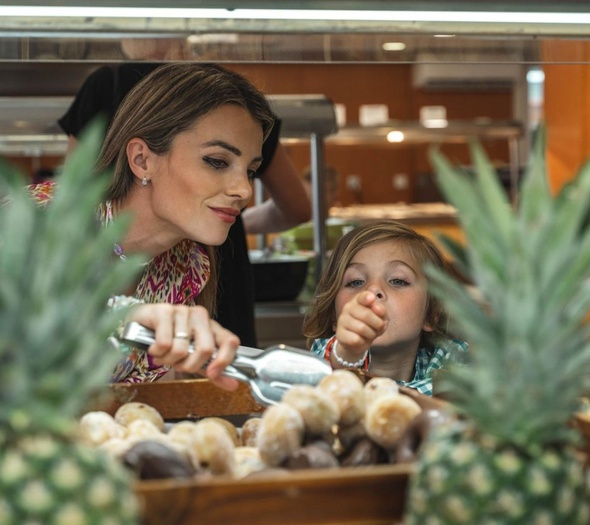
[[180, 335]]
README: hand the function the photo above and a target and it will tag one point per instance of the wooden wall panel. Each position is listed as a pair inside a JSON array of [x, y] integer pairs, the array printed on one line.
[[390, 84], [567, 110], [355, 84]]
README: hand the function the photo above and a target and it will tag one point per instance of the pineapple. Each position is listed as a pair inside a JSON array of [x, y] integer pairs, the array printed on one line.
[[56, 274], [511, 456]]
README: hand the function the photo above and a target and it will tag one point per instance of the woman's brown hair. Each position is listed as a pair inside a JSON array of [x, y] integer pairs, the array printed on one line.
[[167, 102], [321, 317]]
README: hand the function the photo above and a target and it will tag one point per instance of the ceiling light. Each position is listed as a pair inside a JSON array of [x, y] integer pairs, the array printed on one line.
[[435, 123], [482, 17], [393, 46], [214, 38], [535, 76], [395, 136]]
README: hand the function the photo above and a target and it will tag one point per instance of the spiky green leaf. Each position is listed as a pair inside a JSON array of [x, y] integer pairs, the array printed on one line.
[[528, 332], [57, 271]]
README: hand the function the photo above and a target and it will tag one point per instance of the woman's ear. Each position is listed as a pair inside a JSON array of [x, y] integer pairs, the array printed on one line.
[[138, 157]]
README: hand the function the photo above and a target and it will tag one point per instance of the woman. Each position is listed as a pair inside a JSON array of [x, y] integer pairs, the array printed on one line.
[[372, 310], [184, 147], [288, 203]]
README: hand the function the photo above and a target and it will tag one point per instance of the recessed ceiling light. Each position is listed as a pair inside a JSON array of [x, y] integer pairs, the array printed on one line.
[[436, 123], [393, 46], [535, 76], [484, 17], [395, 136], [214, 38]]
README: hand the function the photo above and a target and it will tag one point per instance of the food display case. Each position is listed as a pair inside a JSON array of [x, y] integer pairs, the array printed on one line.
[[372, 495]]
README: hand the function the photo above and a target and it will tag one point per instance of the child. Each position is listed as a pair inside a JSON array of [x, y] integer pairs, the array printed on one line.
[[372, 309]]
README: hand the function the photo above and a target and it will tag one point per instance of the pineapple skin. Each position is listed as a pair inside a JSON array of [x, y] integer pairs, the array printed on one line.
[[463, 477], [47, 479]]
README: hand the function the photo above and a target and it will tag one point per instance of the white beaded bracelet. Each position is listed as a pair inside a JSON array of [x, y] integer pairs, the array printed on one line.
[[347, 364]]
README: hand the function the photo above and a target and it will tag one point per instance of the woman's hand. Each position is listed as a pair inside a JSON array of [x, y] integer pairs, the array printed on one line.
[[361, 321], [175, 326]]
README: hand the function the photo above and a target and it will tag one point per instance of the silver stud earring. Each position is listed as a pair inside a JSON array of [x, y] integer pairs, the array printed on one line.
[[144, 181]]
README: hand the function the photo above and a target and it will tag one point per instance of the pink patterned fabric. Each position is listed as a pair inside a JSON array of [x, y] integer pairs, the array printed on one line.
[[42, 193], [176, 276]]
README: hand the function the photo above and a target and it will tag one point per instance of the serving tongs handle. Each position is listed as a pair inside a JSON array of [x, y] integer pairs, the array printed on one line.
[[269, 373]]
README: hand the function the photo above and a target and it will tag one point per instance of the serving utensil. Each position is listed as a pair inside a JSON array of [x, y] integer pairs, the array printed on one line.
[[269, 373]]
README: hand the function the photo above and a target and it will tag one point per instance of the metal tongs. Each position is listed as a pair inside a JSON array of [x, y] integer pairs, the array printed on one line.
[[269, 373]]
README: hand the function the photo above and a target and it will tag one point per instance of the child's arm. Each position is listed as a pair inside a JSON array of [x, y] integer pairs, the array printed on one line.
[[361, 321]]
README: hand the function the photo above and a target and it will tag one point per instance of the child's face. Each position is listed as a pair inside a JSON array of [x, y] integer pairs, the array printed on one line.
[[388, 270]]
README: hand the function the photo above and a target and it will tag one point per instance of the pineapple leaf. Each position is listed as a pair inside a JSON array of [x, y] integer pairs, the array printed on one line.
[[57, 272], [530, 359]]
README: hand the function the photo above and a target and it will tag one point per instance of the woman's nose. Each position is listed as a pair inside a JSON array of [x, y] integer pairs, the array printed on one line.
[[241, 187]]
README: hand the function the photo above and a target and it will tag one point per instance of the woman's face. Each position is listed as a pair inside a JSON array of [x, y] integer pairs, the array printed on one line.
[[389, 271], [205, 180]]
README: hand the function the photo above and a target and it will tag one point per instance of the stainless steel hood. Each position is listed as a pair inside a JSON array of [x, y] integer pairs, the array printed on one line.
[[28, 125]]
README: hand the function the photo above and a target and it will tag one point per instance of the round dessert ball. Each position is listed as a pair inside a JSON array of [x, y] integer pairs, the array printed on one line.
[[377, 387], [388, 417], [317, 408], [280, 434], [250, 431], [346, 389], [97, 427], [131, 411], [212, 447]]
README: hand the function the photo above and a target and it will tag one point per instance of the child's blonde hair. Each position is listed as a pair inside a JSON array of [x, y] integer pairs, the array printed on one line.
[[321, 318]]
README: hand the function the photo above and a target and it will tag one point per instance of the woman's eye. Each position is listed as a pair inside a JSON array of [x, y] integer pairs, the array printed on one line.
[[252, 174], [217, 164]]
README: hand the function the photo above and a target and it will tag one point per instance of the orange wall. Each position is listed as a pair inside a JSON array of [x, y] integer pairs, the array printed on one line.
[[390, 84], [566, 109]]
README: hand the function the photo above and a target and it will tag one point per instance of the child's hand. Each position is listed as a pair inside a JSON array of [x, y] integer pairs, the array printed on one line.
[[361, 321]]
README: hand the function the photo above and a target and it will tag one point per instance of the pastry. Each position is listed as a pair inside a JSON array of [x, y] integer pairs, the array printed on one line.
[[182, 433], [348, 436], [231, 429], [377, 387], [318, 409], [131, 411], [315, 455], [246, 461], [388, 417], [154, 460], [142, 429], [212, 447], [280, 433], [417, 432], [364, 452], [346, 389], [97, 427], [250, 431]]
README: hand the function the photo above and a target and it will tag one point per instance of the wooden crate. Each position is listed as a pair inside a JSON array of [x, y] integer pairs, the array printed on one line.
[[342, 496]]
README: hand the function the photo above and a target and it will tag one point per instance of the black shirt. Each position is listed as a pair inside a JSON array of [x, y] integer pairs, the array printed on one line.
[[102, 93]]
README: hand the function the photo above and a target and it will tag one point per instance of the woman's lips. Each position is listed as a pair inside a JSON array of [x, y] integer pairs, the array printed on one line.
[[226, 214]]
